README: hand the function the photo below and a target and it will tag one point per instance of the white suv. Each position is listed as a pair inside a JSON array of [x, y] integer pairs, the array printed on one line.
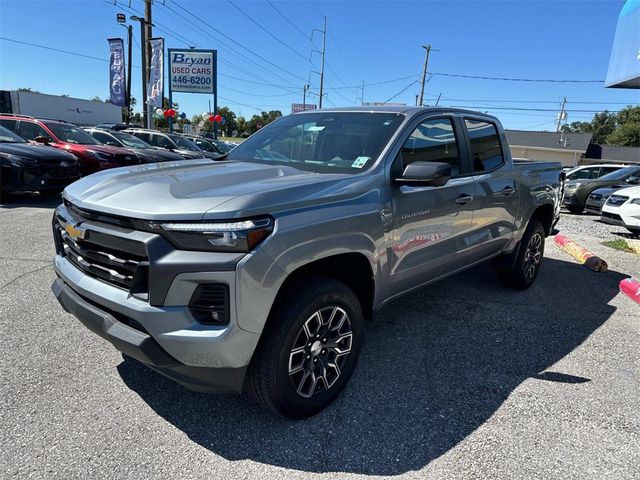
[[623, 208]]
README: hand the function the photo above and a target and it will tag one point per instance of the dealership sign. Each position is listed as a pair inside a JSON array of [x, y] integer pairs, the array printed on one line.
[[301, 107], [192, 71]]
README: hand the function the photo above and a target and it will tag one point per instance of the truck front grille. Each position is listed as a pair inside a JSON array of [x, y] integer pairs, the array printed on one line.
[[617, 200], [115, 260]]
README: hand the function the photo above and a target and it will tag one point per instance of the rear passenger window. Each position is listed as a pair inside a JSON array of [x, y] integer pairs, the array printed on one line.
[[432, 141], [10, 124], [29, 131], [143, 136], [485, 145]]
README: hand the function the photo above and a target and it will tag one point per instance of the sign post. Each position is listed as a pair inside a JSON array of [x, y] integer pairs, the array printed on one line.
[[193, 71]]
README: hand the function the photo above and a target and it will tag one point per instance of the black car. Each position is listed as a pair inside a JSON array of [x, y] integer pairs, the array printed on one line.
[[599, 197], [576, 192], [25, 167], [209, 144], [172, 142], [146, 152]]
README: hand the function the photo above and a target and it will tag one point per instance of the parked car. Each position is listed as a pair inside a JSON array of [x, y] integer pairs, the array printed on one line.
[[598, 197], [591, 172], [261, 270], [623, 208], [145, 152], [26, 168], [92, 155], [209, 145], [577, 191], [172, 142]]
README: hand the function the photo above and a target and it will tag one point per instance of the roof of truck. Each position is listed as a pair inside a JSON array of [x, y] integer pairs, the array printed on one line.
[[405, 109]]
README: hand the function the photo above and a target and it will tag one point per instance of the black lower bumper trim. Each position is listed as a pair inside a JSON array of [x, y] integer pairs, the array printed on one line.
[[142, 347]]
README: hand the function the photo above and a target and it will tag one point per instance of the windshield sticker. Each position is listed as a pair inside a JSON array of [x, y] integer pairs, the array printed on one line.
[[316, 128], [360, 162]]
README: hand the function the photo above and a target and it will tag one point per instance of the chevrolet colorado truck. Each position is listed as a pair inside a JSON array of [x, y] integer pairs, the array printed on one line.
[[257, 273]]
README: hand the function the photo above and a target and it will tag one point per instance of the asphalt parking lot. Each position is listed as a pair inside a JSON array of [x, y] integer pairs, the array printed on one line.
[[464, 379]]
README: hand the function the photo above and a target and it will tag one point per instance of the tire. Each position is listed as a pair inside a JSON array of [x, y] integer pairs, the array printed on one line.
[[520, 269], [634, 231], [575, 208], [294, 375]]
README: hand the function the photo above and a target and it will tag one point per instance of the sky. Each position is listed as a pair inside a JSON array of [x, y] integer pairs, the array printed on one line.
[[268, 50]]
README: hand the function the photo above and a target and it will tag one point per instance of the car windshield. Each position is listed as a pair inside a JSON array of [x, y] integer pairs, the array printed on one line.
[[223, 147], [132, 141], [185, 143], [7, 136], [619, 174], [323, 142], [71, 134]]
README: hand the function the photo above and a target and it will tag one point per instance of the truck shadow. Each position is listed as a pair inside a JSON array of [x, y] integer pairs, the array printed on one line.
[[437, 364]]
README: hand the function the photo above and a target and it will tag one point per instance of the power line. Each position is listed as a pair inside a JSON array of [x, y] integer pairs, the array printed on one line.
[[533, 109], [603, 102], [259, 25], [289, 21], [401, 91], [237, 43], [481, 77]]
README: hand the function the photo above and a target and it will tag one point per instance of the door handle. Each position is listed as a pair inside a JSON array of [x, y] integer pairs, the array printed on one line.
[[464, 199], [506, 191]]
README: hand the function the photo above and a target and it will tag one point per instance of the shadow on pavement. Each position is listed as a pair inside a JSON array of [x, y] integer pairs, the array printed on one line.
[[436, 365], [34, 200]]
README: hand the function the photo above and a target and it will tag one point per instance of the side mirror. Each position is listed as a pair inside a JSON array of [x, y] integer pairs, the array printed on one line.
[[42, 139], [633, 180], [418, 173]]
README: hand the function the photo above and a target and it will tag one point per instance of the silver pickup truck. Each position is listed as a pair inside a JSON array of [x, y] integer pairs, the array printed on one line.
[[257, 273]]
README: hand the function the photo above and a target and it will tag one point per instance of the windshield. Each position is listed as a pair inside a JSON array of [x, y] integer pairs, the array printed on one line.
[[331, 142], [223, 147], [71, 134], [185, 143], [618, 174], [132, 141], [7, 136]]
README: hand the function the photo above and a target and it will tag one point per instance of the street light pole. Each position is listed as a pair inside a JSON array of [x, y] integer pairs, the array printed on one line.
[[143, 40], [424, 73]]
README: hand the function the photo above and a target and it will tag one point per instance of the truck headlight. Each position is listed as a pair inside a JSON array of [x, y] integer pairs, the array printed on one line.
[[238, 236]]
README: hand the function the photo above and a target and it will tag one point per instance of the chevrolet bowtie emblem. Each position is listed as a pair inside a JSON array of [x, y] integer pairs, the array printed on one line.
[[74, 232]]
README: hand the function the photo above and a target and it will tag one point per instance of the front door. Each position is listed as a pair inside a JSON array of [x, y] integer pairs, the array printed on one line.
[[431, 224]]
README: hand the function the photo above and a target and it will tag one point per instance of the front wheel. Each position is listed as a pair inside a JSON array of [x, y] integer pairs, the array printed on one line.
[[520, 272], [309, 350], [634, 231]]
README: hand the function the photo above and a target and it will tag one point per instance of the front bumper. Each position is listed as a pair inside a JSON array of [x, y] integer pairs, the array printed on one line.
[[594, 206], [29, 178], [130, 337], [572, 199]]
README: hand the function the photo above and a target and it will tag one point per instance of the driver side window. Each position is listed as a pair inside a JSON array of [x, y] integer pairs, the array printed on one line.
[[432, 141]]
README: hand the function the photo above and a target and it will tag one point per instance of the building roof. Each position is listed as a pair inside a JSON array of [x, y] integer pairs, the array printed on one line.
[[567, 141], [611, 152]]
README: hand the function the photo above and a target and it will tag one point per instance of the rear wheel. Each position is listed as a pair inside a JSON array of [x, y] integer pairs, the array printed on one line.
[[309, 351], [634, 231], [520, 269]]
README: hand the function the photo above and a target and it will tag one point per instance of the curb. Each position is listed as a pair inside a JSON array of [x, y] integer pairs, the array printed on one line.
[[584, 256], [631, 288]]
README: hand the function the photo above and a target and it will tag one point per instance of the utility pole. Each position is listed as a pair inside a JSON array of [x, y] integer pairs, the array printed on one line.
[[562, 115], [304, 96], [424, 74], [362, 96], [147, 47], [146, 118], [324, 43]]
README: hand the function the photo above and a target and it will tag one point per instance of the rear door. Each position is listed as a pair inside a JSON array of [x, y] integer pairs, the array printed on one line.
[[495, 194], [431, 224]]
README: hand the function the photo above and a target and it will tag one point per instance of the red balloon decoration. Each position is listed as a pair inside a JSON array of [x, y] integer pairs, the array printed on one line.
[[169, 112], [212, 118], [218, 118]]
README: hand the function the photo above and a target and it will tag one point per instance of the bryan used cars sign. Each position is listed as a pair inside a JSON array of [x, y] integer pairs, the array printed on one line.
[[192, 71]]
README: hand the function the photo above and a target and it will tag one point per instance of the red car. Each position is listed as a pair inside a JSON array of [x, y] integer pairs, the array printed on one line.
[[92, 154]]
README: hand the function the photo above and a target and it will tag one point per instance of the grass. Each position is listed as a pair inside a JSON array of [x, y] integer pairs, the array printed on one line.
[[619, 244]]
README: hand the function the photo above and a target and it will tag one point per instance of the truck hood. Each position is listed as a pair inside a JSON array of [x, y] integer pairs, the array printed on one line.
[[202, 189], [38, 152]]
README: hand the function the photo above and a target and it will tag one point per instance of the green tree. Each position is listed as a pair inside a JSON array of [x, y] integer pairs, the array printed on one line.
[[622, 128], [261, 120]]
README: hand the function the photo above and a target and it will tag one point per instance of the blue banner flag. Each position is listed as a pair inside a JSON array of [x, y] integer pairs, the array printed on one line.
[[155, 88], [117, 90]]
